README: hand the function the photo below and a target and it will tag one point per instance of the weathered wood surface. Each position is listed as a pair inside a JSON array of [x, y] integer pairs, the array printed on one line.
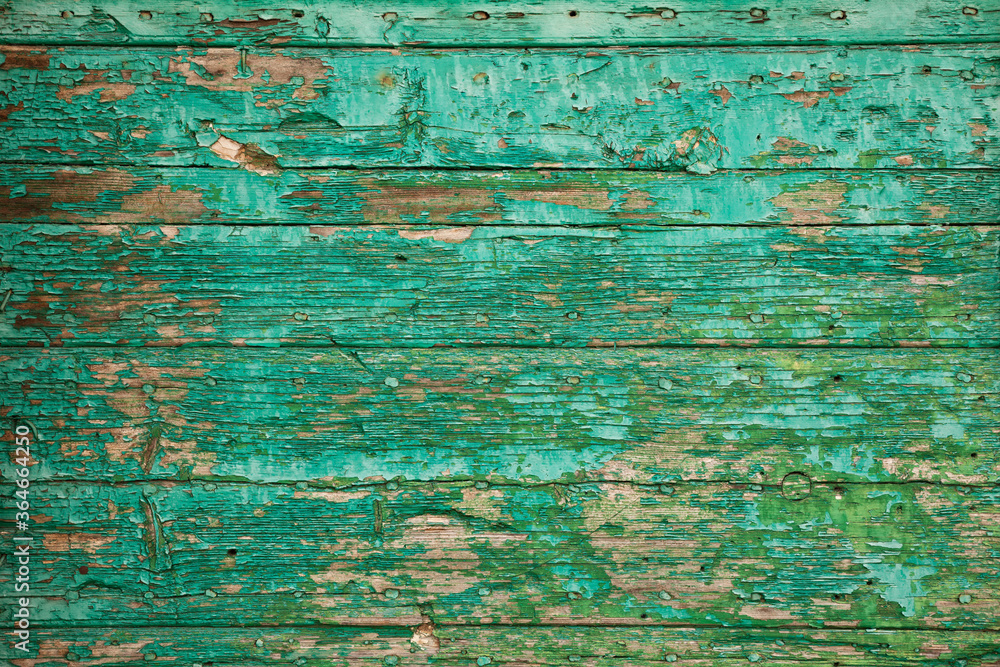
[[524, 286], [695, 109], [430, 644], [860, 555], [648, 416], [491, 23], [89, 195], [176, 203]]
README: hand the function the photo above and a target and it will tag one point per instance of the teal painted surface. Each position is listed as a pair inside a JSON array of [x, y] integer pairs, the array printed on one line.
[[497, 22], [692, 554], [301, 330], [429, 644], [352, 415], [183, 196], [490, 285], [694, 109]]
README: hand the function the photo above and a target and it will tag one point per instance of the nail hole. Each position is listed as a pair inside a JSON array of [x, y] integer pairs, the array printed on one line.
[[67, 14], [836, 596], [298, 13], [643, 615], [838, 15], [739, 368], [981, 398], [232, 552], [480, 16], [390, 16], [758, 13], [84, 569], [870, 582], [701, 569], [838, 378], [207, 18], [926, 69], [572, 14], [401, 258], [973, 455], [970, 11], [145, 15], [668, 14]]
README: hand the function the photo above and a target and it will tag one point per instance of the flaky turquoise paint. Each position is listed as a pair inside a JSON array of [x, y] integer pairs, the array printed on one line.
[[218, 329], [443, 645], [728, 554], [516, 415], [33, 193], [491, 285], [686, 109], [510, 23]]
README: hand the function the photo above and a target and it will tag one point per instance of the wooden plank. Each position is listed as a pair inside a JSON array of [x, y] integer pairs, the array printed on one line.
[[520, 416], [694, 109], [859, 555], [165, 195], [523, 286], [517, 24], [430, 644]]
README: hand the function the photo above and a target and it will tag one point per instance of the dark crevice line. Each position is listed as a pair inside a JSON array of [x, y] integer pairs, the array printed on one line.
[[335, 45], [492, 168], [188, 347], [660, 226], [464, 482], [42, 167], [614, 622]]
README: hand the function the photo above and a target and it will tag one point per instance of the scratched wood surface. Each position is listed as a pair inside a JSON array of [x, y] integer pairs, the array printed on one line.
[[451, 646], [35, 193], [356, 416], [600, 554], [695, 109], [506, 333], [491, 22], [523, 286]]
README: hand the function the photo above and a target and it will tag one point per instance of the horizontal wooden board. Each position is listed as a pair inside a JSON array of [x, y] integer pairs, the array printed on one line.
[[524, 416], [694, 109], [859, 555], [430, 644], [166, 195], [521, 286], [513, 23]]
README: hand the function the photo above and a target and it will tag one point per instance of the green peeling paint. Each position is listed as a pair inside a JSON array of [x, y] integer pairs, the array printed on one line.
[[503, 333]]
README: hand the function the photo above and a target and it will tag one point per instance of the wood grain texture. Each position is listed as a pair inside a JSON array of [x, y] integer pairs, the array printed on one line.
[[488, 22], [861, 555], [88, 195], [522, 286], [519, 416], [700, 110], [509, 333], [429, 644]]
